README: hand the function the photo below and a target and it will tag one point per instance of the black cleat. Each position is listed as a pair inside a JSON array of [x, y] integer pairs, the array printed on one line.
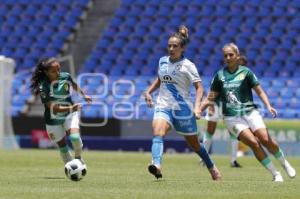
[[154, 171], [235, 164]]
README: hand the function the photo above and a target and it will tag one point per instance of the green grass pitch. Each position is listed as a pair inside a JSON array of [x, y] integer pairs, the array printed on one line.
[[39, 174]]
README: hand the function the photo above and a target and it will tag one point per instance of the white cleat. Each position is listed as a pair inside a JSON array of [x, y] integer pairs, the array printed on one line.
[[277, 177], [291, 172]]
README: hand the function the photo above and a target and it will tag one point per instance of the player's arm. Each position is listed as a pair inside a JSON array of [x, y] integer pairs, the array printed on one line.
[[209, 100], [264, 98], [148, 98], [58, 108], [199, 94], [78, 90]]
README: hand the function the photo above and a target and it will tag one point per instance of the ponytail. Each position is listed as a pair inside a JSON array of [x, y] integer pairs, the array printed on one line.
[[183, 35]]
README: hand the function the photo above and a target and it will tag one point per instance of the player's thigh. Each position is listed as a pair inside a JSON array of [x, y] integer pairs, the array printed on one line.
[[248, 138], [71, 124], [55, 132], [256, 121], [236, 125]]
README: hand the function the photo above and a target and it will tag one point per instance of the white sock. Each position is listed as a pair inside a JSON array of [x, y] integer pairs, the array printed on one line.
[[207, 140], [269, 166], [234, 149]]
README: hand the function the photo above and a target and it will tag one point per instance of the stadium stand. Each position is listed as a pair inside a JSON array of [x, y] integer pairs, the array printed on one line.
[[267, 32], [136, 37], [31, 29]]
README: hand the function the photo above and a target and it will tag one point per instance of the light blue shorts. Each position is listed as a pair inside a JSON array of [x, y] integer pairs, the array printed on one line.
[[183, 121]]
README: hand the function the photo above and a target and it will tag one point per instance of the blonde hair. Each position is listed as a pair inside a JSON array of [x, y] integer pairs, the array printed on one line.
[[233, 46]]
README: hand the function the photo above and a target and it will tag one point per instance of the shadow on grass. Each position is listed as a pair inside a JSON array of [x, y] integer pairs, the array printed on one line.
[[54, 178]]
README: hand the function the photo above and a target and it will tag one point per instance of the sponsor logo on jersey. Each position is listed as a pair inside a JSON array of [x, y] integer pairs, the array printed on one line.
[[167, 79]]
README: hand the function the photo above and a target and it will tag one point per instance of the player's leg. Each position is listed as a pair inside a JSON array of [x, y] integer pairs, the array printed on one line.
[[160, 128], [234, 151], [247, 137], [199, 149], [65, 152], [240, 127], [57, 134], [261, 132], [72, 128], [273, 147], [211, 128]]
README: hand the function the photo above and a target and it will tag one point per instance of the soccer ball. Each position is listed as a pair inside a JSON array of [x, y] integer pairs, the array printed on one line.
[[75, 170]]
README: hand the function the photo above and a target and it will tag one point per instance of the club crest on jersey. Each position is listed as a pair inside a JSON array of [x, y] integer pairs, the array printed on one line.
[[178, 67], [240, 77], [66, 87]]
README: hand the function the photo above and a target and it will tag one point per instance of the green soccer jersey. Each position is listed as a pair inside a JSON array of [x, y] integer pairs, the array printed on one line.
[[235, 90], [57, 92]]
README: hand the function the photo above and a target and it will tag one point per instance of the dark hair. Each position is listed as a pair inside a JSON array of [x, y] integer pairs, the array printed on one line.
[[242, 60], [182, 34], [39, 73]]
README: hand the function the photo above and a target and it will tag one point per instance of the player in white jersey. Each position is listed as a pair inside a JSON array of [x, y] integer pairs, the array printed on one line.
[[174, 108], [234, 84]]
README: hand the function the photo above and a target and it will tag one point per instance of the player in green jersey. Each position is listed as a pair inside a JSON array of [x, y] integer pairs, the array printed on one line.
[[213, 115], [61, 114], [234, 84]]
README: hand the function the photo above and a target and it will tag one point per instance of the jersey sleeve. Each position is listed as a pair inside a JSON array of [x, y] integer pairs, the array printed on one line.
[[216, 84], [44, 93], [252, 79], [193, 74], [69, 78]]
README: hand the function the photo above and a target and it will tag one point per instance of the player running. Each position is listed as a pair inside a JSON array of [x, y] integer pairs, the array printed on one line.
[[61, 115], [174, 107], [234, 84]]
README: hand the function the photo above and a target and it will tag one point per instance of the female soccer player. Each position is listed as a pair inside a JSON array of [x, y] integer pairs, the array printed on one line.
[[213, 115], [174, 107], [234, 84], [61, 115]]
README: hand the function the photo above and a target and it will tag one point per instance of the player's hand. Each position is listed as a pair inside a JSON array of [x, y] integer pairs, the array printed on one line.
[[197, 113], [148, 99], [272, 111], [88, 99], [76, 107]]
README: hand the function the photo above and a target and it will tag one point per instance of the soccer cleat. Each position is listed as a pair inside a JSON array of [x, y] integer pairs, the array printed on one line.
[[215, 173], [155, 171], [291, 172], [235, 164], [277, 177]]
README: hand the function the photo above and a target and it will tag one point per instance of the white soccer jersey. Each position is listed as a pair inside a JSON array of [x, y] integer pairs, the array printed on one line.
[[176, 79]]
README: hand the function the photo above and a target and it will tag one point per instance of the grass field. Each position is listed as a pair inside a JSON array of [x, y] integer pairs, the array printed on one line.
[[38, 174]]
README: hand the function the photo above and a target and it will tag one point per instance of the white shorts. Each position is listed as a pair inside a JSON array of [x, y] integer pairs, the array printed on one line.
[[236, 125], [57, 132], [215, 114]]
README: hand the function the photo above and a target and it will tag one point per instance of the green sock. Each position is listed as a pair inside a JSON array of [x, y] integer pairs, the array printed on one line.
[[77, 144]]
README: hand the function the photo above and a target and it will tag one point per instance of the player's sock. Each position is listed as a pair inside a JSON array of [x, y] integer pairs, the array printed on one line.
[[65, 154], [157, 150], [280, 156], [205, 157], [234, 148], [77, 144], [285, 164], [269, 166], [207, 140]]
